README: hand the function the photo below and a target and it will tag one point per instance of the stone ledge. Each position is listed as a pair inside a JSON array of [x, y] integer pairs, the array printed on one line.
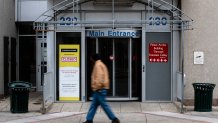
[[191, 108]]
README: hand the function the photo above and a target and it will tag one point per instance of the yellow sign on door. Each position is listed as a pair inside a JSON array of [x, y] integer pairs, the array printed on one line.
[[69, 72]]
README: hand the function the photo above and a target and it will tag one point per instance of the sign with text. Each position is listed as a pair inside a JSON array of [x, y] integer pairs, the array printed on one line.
[[69, 72], [113, 33], [157, 22], [158, 52]]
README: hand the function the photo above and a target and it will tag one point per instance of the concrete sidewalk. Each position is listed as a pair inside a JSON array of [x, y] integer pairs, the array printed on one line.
[[127, 112]]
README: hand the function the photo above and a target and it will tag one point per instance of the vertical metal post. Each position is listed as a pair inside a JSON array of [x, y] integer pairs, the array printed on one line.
[[143, 60], [130, 67], [77, 7], [182, 58], [152, 12], [42, 48], [73, 8], [42, 69], [114, 80], [97, 46], [113, 16]]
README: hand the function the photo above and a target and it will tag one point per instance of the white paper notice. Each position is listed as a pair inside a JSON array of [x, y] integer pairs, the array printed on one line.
[[198, 57]]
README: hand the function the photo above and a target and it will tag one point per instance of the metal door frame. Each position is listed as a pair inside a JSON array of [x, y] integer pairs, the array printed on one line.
[[38, 64], [144, 65], [39, 60], [129, 69]]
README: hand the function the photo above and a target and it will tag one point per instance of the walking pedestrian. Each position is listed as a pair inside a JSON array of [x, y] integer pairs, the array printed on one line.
[[99, 84]]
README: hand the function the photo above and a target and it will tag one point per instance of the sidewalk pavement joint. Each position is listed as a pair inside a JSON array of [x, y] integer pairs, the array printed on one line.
[[71, 114], [128, 112]]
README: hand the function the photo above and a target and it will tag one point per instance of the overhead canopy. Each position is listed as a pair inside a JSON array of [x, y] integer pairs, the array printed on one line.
[[177, 16], [116, 2]]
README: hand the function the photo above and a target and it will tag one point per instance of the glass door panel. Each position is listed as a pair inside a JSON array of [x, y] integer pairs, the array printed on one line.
[[122, 56], [105, 48], [121, 67], [136, 67], [91, 48]]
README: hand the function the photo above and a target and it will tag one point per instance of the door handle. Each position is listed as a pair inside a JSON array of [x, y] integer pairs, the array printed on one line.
[[38, 67], [143, 68]]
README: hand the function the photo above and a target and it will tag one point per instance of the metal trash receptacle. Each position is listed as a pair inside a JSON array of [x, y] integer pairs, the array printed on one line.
[[203, 96], [19, 96]]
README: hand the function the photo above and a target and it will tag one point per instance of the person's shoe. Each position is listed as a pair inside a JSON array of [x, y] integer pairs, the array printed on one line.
[[88, 121], [116, 120]]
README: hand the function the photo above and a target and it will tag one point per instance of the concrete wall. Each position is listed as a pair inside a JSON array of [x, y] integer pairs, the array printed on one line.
[[29, 10], [7, 28], [203, 38]]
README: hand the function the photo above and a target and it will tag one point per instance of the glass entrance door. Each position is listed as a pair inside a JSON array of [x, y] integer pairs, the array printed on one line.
[[116, 56], [120, 57]]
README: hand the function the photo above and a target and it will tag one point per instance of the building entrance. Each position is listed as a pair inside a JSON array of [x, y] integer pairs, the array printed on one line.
[[123, 59]]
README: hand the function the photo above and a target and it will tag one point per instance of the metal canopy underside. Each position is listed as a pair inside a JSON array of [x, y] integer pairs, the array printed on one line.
[[116, 2], [178, 18]]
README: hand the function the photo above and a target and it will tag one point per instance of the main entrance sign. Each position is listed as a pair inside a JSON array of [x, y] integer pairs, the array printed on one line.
[[113, 33]]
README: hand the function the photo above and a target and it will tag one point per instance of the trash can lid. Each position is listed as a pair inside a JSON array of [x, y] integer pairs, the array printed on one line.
[[19, 84], [204, 85]]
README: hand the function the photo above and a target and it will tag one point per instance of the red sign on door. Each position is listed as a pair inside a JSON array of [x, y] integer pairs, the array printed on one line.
[[158, 52]]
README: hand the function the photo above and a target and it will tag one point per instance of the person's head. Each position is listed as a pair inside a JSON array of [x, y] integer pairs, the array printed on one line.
[[96, 57]]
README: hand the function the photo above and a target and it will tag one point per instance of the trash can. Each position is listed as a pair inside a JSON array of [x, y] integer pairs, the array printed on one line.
[[19, 96], [203, 96]]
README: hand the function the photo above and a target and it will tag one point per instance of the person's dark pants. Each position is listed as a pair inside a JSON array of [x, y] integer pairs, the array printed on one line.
[[99, 99]]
